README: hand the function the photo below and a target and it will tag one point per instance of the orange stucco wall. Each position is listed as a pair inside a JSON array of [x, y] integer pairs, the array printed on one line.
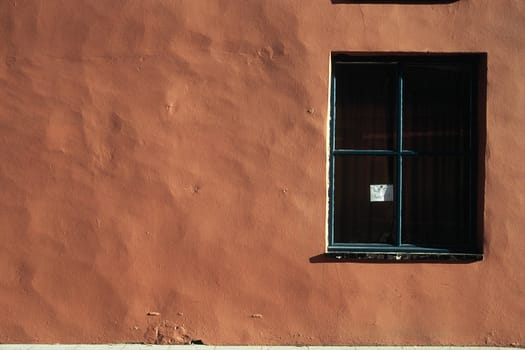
[[170, 157]]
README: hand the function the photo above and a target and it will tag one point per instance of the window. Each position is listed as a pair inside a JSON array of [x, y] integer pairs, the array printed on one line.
[[405, 155]]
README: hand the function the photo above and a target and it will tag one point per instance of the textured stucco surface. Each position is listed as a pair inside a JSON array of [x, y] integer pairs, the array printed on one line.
[[169, 157]]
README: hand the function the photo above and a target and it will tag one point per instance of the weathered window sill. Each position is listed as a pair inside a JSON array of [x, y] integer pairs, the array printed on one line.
[[403, 257]]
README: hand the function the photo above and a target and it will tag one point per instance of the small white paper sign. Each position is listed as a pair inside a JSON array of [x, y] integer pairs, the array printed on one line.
[[381, 193]]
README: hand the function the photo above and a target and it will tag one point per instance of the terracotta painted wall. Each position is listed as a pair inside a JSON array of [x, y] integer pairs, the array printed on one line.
[[169, 156]]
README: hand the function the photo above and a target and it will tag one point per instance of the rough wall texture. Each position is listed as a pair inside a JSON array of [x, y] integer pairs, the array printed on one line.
[[169, 156]]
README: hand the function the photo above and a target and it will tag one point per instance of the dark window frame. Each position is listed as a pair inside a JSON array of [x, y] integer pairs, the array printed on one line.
[[477, 63]]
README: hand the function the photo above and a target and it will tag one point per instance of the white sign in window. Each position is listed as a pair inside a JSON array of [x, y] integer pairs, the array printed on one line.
[[381, 193]]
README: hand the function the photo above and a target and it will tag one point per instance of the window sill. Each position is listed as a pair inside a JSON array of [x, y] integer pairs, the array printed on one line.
[[402, 257]]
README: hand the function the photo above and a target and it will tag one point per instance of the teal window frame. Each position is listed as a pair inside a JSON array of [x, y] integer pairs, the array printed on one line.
[[476, 62]]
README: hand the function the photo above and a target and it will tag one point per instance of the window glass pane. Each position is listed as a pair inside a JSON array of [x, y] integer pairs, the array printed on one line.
[[359, 216], [435, 201], [365, 106], [436, 101]]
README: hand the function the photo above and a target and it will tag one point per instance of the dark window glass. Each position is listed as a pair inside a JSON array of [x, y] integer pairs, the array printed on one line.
[[357, 218], [436, 108], [435, 201], [365, 106]]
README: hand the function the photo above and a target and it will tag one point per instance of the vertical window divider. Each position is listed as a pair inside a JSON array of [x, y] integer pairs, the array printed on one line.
[[399, 189]]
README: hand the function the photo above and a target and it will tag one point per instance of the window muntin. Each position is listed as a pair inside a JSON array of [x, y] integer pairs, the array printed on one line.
[[407, 122]]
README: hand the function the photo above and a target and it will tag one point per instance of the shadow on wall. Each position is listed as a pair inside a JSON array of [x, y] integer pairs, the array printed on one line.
[[407, 2]]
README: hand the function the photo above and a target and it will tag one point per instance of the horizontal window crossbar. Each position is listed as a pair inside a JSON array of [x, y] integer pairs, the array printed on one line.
[[364, 152], [357, 152], [366, 63]]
